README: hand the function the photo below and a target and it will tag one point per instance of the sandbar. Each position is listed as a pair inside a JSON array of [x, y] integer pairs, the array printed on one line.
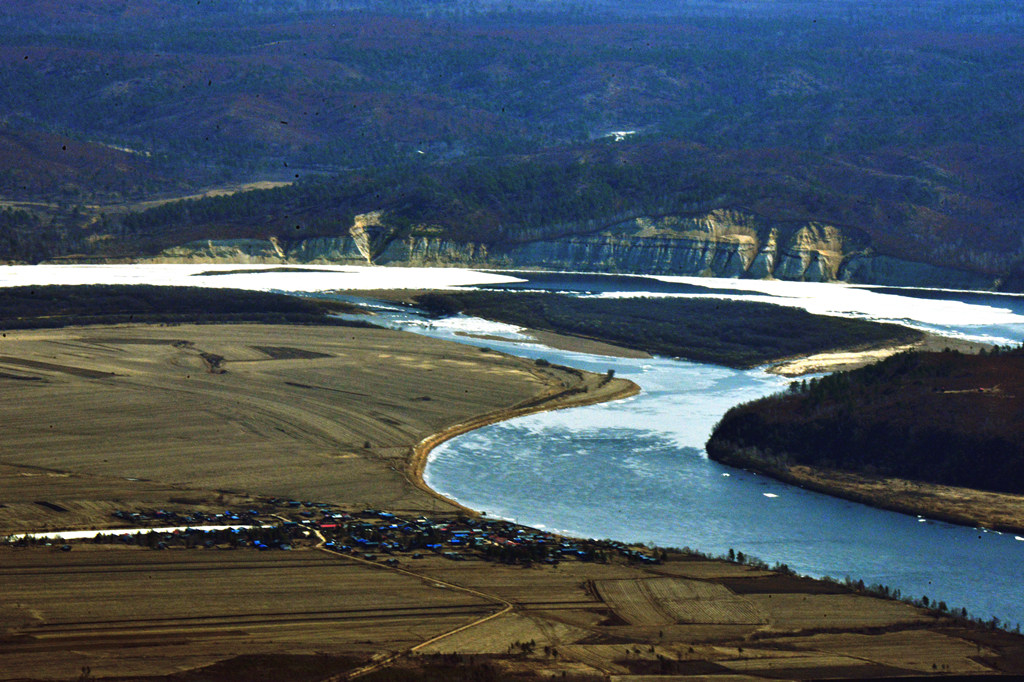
[[853, 358]]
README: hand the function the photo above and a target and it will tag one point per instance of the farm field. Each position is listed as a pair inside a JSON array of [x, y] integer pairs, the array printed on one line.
[[100, 418], [137, 614], [197, 419]]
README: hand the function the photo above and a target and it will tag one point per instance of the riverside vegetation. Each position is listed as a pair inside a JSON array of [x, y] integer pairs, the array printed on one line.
[[938, 433], [72, 305], [732, 333]]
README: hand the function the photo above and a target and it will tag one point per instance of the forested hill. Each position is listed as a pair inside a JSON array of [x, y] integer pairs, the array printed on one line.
[[943, 418], [898, 121]]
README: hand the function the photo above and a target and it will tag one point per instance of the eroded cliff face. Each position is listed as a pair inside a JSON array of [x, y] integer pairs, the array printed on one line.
[[719, 243], [372, 233]]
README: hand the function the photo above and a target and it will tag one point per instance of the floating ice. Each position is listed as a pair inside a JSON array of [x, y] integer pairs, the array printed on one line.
[[461, 324], [852, 301], [249, 276]]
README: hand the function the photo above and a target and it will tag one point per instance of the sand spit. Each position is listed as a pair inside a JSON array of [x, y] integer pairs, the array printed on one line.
[[842, 360]]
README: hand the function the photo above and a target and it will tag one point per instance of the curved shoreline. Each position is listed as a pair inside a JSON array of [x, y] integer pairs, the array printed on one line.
[[553, 399], [960, 506]]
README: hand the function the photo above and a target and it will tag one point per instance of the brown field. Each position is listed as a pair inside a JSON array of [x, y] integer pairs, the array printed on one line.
[[100, 419], [667, 601], [139, 416], [137, 612]]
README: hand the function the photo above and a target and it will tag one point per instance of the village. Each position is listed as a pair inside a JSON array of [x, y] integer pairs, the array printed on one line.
[[369, 534]]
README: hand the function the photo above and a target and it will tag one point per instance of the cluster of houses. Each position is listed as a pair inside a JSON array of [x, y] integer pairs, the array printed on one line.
[[164, 517], [370, 534], [374, 535]]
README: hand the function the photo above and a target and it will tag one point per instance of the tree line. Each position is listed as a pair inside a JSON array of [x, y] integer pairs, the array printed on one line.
[[945, 418], [732, 333]]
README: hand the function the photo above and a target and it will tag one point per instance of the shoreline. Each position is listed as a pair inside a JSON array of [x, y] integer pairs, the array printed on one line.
[[968, 507], [553, 399], [853, 358], [961, 506]]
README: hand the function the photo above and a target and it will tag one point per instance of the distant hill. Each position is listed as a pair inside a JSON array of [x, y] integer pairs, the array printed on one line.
[[649, 206], [896, 123], [49, 167]]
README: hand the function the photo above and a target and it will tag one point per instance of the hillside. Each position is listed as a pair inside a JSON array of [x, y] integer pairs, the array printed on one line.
[[939, 418], [649, 206], [896, 127]]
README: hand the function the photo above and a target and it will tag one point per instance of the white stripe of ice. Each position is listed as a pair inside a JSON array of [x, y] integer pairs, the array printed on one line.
[[89, 534]]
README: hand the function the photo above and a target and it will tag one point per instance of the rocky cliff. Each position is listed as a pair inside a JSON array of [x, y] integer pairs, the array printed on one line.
[[719, 243]]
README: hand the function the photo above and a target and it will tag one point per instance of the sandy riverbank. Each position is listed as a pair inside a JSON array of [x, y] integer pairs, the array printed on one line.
[[842, 360], [588, 389], [574, 344], [962, 506]]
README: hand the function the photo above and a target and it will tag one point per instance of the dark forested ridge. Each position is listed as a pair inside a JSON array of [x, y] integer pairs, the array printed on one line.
[[944, 418], [67, 305], [733, 333], [486, 120], [510, 201]]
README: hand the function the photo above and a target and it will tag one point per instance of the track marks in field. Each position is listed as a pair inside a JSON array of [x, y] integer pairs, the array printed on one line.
[[666, 601], [54, 367]]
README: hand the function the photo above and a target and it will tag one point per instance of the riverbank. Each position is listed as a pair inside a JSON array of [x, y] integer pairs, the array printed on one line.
[[962, 506], [97, 418], [934, 434], [586, 389], [349, 417], [855, 358]]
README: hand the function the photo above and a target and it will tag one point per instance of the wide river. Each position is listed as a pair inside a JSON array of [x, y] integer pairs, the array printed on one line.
[[635, 470]]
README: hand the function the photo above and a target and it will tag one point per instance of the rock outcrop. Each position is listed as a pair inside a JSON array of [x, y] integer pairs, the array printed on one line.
[[719, 243], [372, 234]]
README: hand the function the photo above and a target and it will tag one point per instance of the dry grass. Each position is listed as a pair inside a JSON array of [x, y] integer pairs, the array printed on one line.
[[912, 649], [495, 636], [139, 612], [799, 612], [132, 415], [666, 601]]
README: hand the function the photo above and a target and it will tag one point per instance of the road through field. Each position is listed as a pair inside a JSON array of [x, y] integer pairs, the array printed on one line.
[[384, 659]]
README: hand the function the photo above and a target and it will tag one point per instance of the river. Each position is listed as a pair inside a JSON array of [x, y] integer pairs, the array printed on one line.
[[635, 470]]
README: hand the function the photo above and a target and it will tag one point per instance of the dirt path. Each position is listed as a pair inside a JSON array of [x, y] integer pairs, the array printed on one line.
[[383, 659]]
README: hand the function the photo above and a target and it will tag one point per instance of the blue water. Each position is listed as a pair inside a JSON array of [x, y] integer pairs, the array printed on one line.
[[635, 470]]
